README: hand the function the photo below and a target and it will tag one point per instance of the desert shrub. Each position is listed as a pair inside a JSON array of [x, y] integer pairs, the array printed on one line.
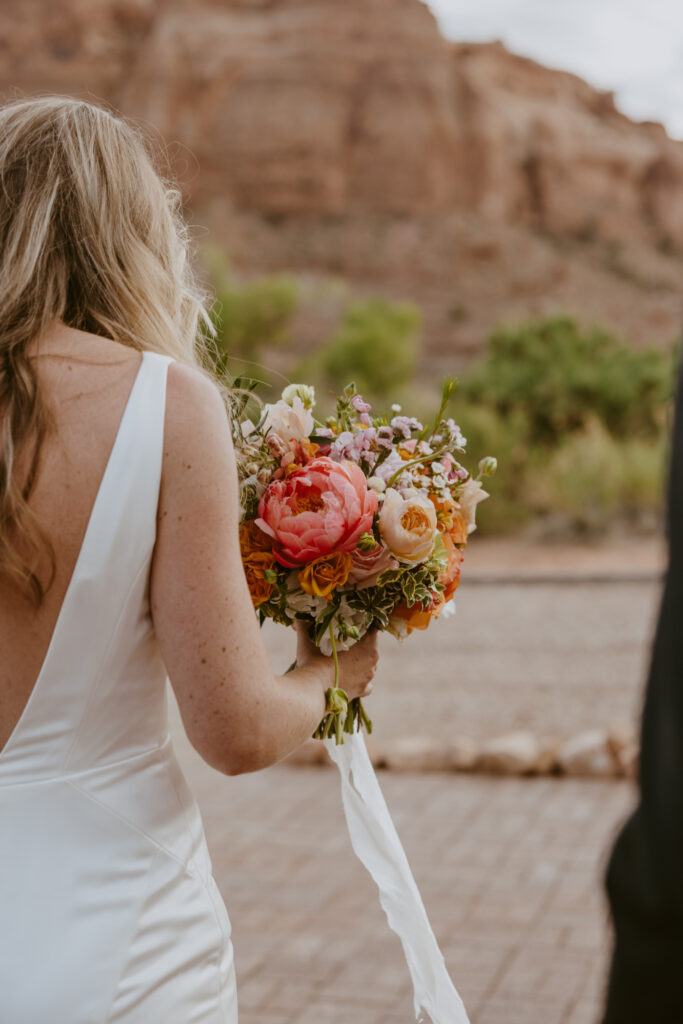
[[594, 479], [250, 318], [375, 345], [563, 377], [585, 483]]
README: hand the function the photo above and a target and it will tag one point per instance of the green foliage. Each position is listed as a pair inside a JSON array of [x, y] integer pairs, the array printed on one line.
[[250, 318], [375, 345], [562, 377], [587, 481], [594, 479], [577, 420]]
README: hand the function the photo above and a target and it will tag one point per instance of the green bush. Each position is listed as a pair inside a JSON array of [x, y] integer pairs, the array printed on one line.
[[375, 346], [594, 479], [250, 318], [562, 377], [586, 481]]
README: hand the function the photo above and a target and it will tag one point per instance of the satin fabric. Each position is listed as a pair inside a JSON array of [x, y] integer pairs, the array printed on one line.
[[376, 843], [108, 908]]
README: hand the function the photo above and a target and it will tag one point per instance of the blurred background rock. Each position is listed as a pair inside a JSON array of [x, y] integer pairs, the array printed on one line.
[[381, 203]]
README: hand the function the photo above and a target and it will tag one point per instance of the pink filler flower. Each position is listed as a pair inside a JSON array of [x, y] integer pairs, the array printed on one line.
[[321, 508]]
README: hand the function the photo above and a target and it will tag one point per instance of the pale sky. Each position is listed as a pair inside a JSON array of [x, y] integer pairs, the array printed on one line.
[[634, 47]]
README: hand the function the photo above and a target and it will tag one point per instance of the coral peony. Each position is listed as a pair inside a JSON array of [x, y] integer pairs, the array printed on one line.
[[321, 508]]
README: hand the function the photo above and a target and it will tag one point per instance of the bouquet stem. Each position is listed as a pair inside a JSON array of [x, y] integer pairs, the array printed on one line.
[[341, 713]]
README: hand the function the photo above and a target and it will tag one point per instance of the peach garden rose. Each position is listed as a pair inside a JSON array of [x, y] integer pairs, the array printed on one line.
[[408, 526]]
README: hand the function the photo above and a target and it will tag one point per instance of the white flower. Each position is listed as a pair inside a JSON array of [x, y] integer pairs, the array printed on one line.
[[306, 392], [290, 422], [448, 609], [472, 494], [396, 407], [375, 483], [398, 627], [391, 465], [299, 601], [356, 618]]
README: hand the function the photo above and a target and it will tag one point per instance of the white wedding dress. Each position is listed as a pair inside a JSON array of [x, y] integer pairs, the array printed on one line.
[[108, 909]]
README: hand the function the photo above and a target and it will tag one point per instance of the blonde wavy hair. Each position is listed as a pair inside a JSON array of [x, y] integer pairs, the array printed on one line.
[[90, 236]]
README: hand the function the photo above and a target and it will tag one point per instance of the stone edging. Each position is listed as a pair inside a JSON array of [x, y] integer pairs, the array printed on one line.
[[595, 753]]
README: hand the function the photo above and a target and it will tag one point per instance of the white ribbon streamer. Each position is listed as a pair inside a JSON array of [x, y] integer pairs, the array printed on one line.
[[377, 845]]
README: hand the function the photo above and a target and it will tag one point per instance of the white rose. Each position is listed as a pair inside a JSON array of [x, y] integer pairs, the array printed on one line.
[[290, 422], [408, 526], [472, 494], [306, 392]]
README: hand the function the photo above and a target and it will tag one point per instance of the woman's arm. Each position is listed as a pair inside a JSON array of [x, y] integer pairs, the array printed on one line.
[[238, 715]]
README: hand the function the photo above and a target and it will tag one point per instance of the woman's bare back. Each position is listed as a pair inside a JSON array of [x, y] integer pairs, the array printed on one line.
[[239, 716], [86, 380]]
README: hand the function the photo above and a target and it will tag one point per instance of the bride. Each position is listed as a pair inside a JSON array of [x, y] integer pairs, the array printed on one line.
[[119, 566]]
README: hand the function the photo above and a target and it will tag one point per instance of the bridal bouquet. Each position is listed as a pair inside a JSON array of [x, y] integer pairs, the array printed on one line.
[[356, 523]]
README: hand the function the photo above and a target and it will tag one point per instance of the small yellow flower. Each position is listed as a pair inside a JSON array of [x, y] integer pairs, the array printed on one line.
[[320, 577]]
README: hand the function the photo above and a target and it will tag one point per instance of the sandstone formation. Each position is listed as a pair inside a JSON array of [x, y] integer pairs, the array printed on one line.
[[352, 139]]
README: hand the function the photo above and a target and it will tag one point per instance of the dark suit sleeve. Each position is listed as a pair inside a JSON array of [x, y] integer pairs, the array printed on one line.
[[645, 873]]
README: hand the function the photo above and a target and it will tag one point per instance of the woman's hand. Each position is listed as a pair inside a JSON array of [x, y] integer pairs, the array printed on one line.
[[357, 666]]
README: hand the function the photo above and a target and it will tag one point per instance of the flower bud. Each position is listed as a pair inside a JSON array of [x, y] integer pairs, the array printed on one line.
[[306, 392], [375, 483], [336, 700], [488, 466]]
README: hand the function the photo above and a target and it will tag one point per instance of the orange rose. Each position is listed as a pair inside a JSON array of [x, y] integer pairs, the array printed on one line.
[[450, 577], [414, 616], [320, 577], [252, 538], [256, 565], [451, 520]]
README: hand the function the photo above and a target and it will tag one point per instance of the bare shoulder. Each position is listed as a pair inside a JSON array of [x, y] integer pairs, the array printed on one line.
[[196, 416], [192, 396], [199, 469]]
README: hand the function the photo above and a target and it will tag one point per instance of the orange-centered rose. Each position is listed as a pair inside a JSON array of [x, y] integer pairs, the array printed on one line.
[[256, 565], [451, 520], [320, 577], [408, 526]]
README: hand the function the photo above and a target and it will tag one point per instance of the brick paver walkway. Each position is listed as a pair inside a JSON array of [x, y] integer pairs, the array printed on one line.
[[509, 869]]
